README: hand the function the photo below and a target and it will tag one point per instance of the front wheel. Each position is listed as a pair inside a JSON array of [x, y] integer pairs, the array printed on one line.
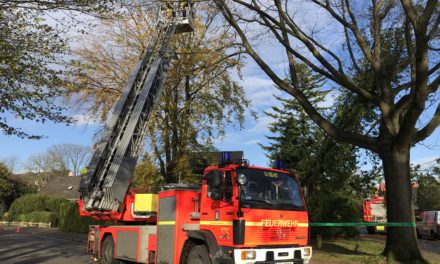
[[108, 251], [199, 255]]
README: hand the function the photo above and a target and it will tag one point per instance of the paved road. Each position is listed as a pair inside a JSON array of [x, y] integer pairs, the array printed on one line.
[[32, 245], [49, 246]]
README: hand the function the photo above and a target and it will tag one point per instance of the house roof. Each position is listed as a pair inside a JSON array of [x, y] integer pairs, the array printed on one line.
[[63, 186]]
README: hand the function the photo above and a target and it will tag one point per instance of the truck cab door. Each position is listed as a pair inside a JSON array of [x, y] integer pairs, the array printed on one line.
[[216, 212]]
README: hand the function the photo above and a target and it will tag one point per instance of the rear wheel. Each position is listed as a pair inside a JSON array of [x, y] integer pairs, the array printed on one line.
[[433, 235], [199, 255], [370, 230], [108, 251]]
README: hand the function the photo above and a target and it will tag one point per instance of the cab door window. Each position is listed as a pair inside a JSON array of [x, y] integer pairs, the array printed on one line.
[[215, 185], [220, 185], [228, 186]]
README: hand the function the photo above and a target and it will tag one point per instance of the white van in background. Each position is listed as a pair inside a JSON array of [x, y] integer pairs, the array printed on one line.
[[428, 224]]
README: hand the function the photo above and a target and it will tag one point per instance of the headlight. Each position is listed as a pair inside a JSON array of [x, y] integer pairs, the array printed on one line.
[[241, 179], [307, 252], [248, 254]]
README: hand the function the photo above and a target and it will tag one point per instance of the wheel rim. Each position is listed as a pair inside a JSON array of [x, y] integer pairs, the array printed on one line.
[[107, 252], [198, 260]]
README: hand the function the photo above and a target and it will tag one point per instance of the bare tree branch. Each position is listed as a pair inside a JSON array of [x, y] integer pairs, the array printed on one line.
[[410, 11], [429, 128], [353, 138]]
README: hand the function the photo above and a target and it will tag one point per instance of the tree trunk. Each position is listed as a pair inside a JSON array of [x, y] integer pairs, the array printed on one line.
[[401, 244]]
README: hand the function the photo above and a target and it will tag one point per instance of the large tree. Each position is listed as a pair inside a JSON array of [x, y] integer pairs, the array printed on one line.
[[69, 157], [61, 158], [325, 168], [7, 189], [199, 95], [393, 45], [32, 46]]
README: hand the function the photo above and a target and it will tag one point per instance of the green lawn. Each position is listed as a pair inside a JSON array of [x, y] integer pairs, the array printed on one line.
[[356, 251]]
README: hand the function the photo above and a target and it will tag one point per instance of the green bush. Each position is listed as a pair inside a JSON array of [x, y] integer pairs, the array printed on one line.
[[56, 210], [33, 203], [38, 217], [338, 207], [71, 221]]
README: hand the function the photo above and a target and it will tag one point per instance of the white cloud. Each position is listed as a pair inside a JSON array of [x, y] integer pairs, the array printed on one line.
[[85, 120], [261, 125], [252, 142], [254, 134], [260, 91]]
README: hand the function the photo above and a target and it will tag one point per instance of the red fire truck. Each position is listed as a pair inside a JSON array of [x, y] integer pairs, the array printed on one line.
[[375, 212], [239, 214]]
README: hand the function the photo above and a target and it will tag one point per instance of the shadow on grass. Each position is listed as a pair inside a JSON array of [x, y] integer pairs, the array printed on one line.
[[337, 249]]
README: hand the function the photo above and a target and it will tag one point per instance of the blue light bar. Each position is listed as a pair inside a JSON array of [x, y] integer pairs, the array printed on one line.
[[226, 156], [279, 164]]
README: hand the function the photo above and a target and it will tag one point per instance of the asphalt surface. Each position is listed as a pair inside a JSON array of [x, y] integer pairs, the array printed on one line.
[[49, 246]]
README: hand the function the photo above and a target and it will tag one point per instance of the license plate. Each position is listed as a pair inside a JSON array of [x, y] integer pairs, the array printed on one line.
[[380, 228]]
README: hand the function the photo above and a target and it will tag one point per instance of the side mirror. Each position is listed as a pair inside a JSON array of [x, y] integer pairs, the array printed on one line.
[[215, 185], [215, 180]]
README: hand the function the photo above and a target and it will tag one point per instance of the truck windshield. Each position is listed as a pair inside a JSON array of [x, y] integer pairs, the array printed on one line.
[[270, 190]]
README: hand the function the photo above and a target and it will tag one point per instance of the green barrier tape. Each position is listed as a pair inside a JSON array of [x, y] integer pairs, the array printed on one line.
[[398, 224]]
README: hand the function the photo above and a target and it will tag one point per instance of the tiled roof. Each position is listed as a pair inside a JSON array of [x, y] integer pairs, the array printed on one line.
[[63, 186]]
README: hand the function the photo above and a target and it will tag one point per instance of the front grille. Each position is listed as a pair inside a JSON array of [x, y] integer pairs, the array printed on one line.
[[294, 261], [273, 234]]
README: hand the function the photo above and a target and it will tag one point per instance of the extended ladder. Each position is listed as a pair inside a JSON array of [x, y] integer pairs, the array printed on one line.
[[110, 170]]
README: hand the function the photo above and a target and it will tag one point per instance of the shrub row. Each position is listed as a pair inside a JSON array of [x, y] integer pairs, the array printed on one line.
[[60, 212], [71, 221], [38, 217], [29, 203]]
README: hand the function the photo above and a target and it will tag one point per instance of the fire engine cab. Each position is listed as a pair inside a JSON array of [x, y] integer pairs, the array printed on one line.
[[239, 213]]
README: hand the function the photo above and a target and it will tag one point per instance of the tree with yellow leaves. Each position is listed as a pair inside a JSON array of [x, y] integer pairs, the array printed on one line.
[[200, 96]]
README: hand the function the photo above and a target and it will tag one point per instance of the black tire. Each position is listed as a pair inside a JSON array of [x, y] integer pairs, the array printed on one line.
[[433, 235], [370, 230], [108, 251], [198, 255], [419, 236]]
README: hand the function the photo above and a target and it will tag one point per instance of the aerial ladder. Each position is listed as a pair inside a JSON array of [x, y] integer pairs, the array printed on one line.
[[104, 188]]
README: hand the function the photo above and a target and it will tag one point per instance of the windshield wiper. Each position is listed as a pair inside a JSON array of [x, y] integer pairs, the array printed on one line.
[[256, 200]]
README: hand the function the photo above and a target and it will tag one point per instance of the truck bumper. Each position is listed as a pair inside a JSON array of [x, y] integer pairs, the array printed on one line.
[[293, 255]]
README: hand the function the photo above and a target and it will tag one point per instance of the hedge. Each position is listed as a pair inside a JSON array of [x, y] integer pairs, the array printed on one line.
[[35, 202], [71, 221], [38, 217], [60, 212]]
